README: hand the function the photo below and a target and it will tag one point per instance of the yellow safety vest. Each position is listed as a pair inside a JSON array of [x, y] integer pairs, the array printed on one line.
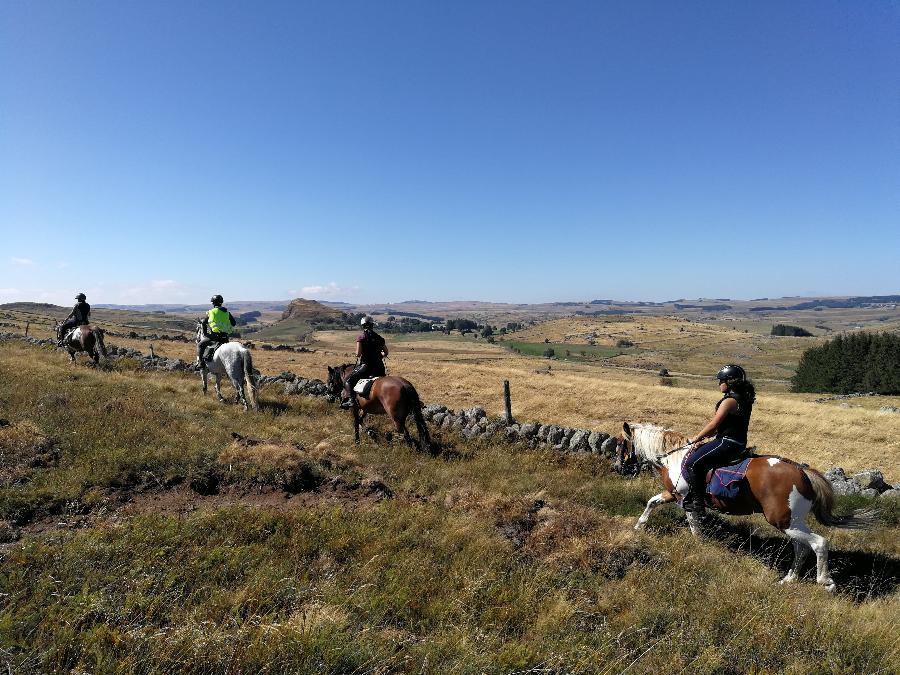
[[219, 321]]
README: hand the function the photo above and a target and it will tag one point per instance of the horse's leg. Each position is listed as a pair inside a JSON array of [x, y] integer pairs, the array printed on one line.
[[801, 550], [799, 532], [71, 355], [239, 388], [664, 497], [218, 382], [204, 374], [357, 420]]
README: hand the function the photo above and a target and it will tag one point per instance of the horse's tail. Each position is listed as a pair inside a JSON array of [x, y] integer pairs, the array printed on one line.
[[823, 503], [100, 343], [250, 381], [421, 426]]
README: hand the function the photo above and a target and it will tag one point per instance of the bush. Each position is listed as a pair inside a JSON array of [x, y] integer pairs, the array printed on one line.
[[793, 331], [851, 363], [549, 353], [624, 343]]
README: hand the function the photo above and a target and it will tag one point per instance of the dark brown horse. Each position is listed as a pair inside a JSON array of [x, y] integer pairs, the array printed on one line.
[[391, 396], [85, 339], [783, 491]]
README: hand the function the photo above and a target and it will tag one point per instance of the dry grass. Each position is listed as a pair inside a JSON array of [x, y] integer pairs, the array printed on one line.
[[489, 558], [464, 372]]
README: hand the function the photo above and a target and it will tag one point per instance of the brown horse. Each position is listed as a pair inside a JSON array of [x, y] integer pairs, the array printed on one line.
[[782, 490], [391, 396], [85, 339]]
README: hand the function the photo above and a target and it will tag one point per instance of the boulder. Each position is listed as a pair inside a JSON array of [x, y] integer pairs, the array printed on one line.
[[542, 432], [595, 440], [579, 441], [835, 474], [529, 430], [554, 435], [870, 479], [608, 447]]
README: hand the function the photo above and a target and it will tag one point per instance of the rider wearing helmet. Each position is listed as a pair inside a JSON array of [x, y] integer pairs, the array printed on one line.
[[218, 324], [79, 316], [370, 352], [730, 424]]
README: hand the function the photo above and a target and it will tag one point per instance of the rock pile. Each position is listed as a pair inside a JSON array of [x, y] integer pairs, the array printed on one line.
[[868, 483]]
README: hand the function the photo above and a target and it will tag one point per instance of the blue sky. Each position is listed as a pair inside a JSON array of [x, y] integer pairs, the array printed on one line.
[[509, 151]]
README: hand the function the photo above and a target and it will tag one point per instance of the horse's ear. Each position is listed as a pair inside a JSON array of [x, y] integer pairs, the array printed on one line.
[[627, 429]]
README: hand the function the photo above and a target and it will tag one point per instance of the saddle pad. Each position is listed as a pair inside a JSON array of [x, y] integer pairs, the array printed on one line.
[[725, 482], [363, 386]]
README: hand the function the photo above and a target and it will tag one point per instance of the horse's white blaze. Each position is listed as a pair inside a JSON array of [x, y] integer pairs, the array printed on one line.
[[773, 461]]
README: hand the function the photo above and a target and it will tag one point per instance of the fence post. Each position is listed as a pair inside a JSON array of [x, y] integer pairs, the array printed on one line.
[[152, 355], [507, 400], [27, 324]]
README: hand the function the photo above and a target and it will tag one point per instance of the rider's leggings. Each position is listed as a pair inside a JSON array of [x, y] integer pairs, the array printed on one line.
[[720, 451], [361, 371]]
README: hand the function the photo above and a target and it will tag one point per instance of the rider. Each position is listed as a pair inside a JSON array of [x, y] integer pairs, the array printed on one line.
[[370, 352], [730, 424], [79, 316], [218, 324]]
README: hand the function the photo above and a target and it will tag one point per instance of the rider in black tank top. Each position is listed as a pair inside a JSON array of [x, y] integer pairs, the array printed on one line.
[[729, 424]]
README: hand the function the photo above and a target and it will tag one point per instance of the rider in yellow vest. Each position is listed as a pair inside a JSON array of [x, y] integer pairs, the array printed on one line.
[[217, 326]]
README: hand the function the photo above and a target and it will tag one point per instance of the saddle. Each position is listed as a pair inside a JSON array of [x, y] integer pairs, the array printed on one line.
[[725, 482], [364, 386], [210, 350]]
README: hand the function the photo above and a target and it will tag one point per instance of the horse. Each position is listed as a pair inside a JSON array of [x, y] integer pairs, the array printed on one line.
[[85, 339], [782, 490], [234, 360], [393, 396]]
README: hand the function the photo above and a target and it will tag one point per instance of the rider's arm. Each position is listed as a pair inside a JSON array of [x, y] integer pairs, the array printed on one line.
[[384, 351], [231, 319], [358, 351], [725, 408]]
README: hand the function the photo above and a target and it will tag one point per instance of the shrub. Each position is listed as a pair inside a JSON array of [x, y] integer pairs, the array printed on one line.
[[793, 331], [549, 353], [624, 343]]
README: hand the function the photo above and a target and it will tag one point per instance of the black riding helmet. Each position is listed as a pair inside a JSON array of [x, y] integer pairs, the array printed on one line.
[[81, 296], [731, 374], [217, 299]]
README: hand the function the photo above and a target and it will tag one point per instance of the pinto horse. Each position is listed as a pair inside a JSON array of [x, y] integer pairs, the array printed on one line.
[[85, 339], [782, 490], [391, 396]]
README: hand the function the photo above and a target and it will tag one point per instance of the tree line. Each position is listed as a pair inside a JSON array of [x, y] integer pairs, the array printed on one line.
[[857, 362]]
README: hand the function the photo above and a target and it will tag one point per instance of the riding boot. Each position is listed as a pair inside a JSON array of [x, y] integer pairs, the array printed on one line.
[[347, 399]]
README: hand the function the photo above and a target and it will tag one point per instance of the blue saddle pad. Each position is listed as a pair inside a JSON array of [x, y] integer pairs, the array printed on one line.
[[726, 480]]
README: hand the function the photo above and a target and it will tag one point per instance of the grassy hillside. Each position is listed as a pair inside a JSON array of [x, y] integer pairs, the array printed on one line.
[[143, 537]]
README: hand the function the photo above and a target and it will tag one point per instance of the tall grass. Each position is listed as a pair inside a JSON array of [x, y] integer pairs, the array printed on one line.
[[488, 558]]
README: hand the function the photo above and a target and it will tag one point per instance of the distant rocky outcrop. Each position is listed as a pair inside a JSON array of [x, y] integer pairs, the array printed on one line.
[[301, 308]]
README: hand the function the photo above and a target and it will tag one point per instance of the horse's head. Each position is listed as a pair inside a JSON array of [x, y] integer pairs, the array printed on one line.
[[626, 461], [335, 379]]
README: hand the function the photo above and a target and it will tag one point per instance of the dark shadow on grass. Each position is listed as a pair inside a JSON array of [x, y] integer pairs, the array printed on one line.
[[861, 575], [273, 407]]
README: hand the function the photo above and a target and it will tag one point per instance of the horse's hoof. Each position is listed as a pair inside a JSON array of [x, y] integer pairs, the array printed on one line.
[[829, 585]]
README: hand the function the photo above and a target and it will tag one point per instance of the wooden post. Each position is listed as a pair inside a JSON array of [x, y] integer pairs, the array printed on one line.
[[507, 400], [27, 324], [152, 355]]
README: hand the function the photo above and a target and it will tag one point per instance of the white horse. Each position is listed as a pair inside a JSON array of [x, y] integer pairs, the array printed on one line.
[[232, 359]]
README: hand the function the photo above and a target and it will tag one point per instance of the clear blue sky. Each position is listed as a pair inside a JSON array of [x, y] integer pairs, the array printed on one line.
[[512, 151]]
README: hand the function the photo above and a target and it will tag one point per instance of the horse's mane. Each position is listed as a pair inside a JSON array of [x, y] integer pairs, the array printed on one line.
[[653, 441]]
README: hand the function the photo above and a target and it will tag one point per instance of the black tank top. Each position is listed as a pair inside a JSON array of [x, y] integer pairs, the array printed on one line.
[[372, 344], [736, 423]]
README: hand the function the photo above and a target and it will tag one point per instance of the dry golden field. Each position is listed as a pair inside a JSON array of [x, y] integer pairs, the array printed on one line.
[[462, 372]]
